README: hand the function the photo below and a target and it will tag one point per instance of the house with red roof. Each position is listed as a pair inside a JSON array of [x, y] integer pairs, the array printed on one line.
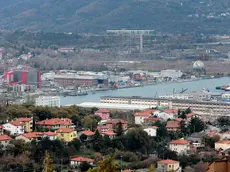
[[28, 137], [89, 134], [222, 145], [50, 135], [166, 114], [55, 123], [110, 134], [152, 131], [15, 127], [103, 114], [75, 162], [168, 165], [5, 140], [113, 123], [140, 116], [173, 125], [66, 134], [180, 146]]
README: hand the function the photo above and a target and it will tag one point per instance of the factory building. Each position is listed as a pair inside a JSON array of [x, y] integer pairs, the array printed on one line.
[[26, 77], [77, 79]]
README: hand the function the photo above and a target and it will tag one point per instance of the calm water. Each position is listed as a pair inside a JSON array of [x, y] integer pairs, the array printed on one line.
[[149, 91]]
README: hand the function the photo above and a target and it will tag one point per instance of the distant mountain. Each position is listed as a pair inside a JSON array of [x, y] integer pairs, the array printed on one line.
[[93, 16]]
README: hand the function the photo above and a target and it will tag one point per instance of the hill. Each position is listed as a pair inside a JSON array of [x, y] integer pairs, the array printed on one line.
[[93, 16]]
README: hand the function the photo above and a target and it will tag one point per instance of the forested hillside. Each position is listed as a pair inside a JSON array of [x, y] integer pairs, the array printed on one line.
[[93, 16]]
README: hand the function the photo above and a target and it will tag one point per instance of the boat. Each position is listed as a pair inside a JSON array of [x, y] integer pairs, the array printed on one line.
[[218, 87]]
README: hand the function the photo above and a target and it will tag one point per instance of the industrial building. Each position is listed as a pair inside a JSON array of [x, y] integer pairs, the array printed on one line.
[[211, 107], [80, 79], [131, 32], [52, 101], [26, 77]]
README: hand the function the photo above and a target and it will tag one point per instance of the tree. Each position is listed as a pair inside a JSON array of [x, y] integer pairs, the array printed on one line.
[[196, 125], [210, 141], [47, 163], [152, 168], [84, 166], [76, 143], [105, 165], [119, 129], [188, 111]]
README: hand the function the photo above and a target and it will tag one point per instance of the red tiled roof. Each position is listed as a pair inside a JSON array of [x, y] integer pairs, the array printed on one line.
[[102, 111], [168, 161], [127, 171], [179, 119], [116, 121], [109, 133], [82, 159], [146, 114], [212, 132], [170, 111], [24, 119], [155, 127], [180, 142], [224, 142], [64, 130], [173, 124], [49, 133], [16, 123], [151, 119], [4, 137], [88, 132], [32, 135], [55, 121]]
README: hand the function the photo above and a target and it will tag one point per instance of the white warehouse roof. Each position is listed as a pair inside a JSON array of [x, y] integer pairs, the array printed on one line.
[[113, 106]]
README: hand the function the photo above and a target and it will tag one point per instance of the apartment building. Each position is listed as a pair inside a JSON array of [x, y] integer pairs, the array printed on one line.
[[52, 101]]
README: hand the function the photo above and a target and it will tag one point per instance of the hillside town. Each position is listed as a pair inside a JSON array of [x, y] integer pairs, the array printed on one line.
[[82, 139]]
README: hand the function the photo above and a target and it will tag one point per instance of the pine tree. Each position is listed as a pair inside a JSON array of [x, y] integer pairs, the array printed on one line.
[[47, 163], [119, 129]]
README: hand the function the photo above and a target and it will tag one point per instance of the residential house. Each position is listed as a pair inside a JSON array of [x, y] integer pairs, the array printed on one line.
[[89, 134], [196, 139], [66, 134], [140, 116], [5, 140], [14, 127], [112, 123], [28, 137], [110, 134], [222, 144], [55, 123], [226, 135], [103, 114], [220, 165], [28, 124], [50, 135], [180, 146], [163, 115], [149, 121], [173, 125], [104, 128], [75, 162], [152, 131], [168, 165]]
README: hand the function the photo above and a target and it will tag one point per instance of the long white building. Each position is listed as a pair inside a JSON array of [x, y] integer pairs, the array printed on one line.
[[52, 101]]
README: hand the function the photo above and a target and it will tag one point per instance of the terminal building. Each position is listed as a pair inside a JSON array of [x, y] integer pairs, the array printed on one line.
[[78, 79], [131, 32], [208, 107]]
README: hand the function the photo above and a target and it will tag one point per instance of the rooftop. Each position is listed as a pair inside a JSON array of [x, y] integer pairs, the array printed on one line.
[[24, 119], [55, 121], [224, 141], [180, 142], [64, 130], [49, 133], [168, 161], [4, 137], [88, 132], [17, 123], [32, 135], [109, 133], [82, 159], [102, 111], [173, 124]]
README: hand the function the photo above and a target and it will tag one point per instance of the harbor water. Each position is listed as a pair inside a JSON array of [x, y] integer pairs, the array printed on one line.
[[150, 90]]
